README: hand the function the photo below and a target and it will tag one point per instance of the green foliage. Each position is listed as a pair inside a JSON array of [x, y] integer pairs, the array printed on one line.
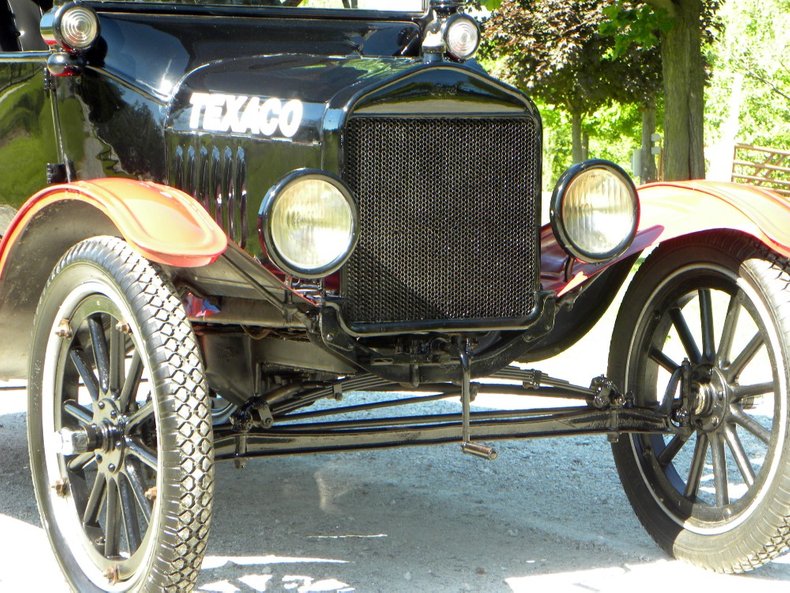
[[749, 95], [616, 129], [614, 132], [579, 54], [572, 56], [551, 48], [557, 141], [634, 24]]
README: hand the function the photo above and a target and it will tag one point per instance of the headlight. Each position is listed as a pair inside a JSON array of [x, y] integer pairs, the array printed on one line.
[[461, 36], [72, 26], [308, 224], [595, 211]]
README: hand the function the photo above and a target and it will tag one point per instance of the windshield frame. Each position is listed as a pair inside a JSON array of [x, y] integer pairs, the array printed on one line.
[[220, 8]]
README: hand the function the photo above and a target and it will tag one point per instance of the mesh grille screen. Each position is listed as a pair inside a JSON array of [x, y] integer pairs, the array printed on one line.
[[448, 214]]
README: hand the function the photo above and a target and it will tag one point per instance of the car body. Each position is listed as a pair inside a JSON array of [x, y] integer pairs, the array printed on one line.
[[230, 211]]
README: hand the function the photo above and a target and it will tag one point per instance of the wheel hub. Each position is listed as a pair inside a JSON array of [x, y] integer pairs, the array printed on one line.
[[710, 398], [110, 424]]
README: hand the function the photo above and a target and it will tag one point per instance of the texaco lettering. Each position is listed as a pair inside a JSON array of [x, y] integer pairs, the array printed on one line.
[[216, 112]]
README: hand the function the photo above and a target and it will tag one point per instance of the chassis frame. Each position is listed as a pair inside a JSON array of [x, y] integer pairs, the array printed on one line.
[[258, 430]]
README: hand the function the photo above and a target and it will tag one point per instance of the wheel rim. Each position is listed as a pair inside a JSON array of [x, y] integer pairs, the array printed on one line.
[[728, 402], [100, 428]]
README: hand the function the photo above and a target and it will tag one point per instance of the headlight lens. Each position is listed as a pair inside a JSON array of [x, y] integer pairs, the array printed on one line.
[[79, 27], [71, 26], [309, 224], [595, 211], [462, 36]]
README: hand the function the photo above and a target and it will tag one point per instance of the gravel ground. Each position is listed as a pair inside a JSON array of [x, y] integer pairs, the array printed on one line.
[[547, 515]]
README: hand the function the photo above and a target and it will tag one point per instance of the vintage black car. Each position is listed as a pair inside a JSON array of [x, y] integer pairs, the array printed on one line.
[[232, 209]]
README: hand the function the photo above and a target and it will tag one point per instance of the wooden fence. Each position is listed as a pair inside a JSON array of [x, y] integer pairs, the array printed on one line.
[[766, 167]]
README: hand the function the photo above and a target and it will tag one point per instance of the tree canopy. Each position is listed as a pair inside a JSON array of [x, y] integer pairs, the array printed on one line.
[[749, 98], [724, 65], [562, 53]]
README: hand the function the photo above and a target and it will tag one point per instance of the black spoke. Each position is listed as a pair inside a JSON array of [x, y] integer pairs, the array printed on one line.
[[663, 360], [132, 381], [142, 453], [745, 421], [670, 391], [690, 345], [112, 526], [728, 330], [100, 352], [719, 470], [81, 461], [95, 404], [740, 455], [117, 358], [671, 450], [77, 412], [93, 506], [697, 466], [138, 488], [706, 321], [745, 357], [86, 373], [129, 511], [741, 391], [141, 415]]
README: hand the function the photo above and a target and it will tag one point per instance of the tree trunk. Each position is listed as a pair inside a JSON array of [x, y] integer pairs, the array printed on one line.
[[684, 87], [585, 145], [648, 173], [576, 126]]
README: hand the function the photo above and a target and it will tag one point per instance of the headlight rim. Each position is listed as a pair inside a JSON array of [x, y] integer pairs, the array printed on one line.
[[51, 27], [558, 224], [265, 222], [446, 35]]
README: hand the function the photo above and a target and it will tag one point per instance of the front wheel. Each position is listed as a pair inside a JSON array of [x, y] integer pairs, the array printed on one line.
[[704, 330], [119, 425]]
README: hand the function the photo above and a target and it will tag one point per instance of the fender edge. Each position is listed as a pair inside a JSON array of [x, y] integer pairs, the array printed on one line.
[[164, 224]]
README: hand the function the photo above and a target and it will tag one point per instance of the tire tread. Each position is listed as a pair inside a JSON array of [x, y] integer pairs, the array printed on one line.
[[187, 467], [773, 271]]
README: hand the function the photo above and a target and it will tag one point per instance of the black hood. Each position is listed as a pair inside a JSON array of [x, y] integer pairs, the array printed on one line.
[[329, 89], [238, 126]]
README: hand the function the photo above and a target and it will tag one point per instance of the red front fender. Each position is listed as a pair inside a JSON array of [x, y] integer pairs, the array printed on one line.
[[671, 210], [165, 225]]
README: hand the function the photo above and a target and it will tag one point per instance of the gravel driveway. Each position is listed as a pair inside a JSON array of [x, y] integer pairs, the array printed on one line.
[[547, 515]]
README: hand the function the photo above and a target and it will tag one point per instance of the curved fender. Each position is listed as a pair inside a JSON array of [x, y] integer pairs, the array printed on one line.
[[165, 225], [674, 209], [670, 210]]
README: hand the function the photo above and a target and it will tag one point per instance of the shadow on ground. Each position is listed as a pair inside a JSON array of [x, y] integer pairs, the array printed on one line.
[[546, 515]]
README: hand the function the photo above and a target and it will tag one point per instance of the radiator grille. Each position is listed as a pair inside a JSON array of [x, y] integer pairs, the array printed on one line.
[[448, 214]]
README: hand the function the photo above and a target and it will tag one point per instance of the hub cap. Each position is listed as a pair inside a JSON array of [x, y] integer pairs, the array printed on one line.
[[102, 462]]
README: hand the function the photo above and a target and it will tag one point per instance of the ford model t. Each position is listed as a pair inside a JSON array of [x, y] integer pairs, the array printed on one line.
[[233, 210]]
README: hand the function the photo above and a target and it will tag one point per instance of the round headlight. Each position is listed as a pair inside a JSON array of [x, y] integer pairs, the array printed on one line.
[[72, 26], [462, 36], [79, 27], [309, 224], [595, 211]]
